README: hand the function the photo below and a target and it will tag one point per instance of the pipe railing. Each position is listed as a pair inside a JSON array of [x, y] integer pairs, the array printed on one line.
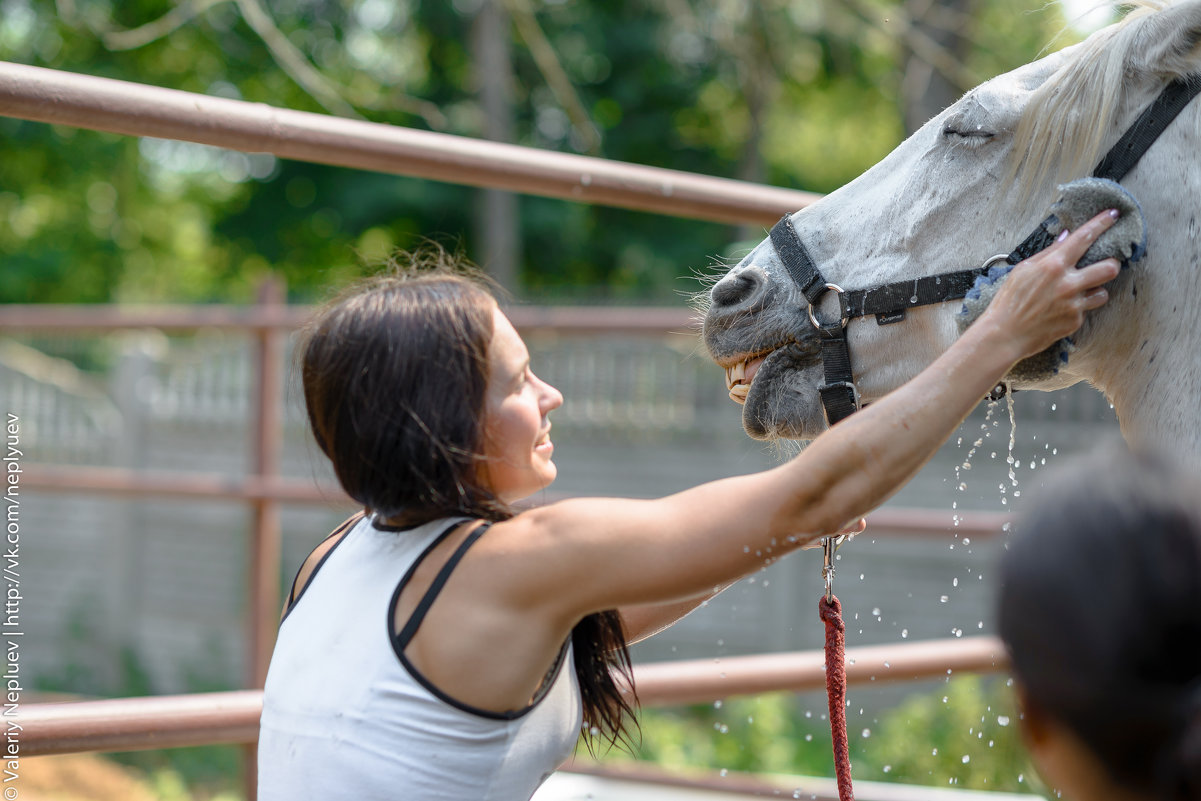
[[104, 104], [127, 724]]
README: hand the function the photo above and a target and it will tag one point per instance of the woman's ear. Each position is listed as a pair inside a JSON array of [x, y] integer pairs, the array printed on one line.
[[1168, 42]]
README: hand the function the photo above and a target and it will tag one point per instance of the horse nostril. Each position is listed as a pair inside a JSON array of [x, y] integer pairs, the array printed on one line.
[[737, 288]]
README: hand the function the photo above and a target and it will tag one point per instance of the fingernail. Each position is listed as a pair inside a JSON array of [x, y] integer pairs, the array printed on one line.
[[1062, 235], [1114, 213]]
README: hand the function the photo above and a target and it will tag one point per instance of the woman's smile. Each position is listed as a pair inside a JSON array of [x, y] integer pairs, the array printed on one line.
[[517, 445]]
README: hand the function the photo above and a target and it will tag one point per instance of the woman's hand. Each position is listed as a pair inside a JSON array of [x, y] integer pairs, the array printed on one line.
[[1045, 297]]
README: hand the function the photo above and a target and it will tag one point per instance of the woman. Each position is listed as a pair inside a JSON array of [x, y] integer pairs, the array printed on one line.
[[1100, 608], [421, 652]]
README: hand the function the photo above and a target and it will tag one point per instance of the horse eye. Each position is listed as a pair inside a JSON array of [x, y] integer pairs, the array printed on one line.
[[978, 133]]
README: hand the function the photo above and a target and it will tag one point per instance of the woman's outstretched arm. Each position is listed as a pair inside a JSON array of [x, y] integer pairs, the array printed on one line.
[[610, 553]]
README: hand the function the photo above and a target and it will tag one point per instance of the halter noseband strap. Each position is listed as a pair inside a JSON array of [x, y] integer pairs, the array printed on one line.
[[838, 394], [889, 302]]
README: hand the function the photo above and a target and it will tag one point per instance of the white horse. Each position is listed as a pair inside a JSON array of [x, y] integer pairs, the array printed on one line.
[[971, 183]]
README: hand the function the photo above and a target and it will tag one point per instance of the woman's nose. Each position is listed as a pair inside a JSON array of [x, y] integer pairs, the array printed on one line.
[[551, 398]]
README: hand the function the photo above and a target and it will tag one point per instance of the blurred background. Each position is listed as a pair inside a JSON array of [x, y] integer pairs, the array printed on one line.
[[133, 596]]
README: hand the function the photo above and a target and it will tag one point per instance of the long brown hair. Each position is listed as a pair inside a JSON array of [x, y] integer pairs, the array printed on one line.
[[394, 373]]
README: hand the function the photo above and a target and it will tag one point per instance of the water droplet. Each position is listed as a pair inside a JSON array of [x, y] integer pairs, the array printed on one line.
[[876, 611], [887, 768], [866, 733], [1002, 720], [717, 704], [904, 634], [966, 759], [955, 582], [808, 738], [723, 772], [942, 599]]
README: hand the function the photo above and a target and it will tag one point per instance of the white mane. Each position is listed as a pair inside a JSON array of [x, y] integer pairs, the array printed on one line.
[[1065, 123]]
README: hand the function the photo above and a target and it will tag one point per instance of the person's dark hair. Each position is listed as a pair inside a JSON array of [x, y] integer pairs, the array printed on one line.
[[394, 372], [1100, 609]]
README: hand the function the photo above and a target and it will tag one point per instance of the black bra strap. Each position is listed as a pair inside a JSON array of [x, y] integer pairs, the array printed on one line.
[[414, 622]]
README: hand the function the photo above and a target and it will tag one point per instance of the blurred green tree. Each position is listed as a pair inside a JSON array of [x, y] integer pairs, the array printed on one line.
[[796, 94]]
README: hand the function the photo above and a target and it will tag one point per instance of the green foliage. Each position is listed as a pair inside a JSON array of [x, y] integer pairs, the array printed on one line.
[[963, 735], [803, 95], [764, 734]]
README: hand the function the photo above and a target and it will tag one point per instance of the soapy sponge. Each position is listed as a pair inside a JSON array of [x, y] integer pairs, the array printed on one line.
[[1079, 202]]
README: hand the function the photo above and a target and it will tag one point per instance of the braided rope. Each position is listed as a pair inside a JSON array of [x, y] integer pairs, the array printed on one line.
[[830, 611]]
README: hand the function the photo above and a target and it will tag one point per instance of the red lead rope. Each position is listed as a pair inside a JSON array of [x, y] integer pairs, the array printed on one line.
[[836, 690]]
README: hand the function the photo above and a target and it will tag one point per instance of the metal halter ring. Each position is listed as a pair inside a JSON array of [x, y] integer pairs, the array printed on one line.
[[813, 318], [993, 260]]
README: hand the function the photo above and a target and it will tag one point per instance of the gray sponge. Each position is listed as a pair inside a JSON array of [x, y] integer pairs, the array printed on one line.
[[1080, 201]]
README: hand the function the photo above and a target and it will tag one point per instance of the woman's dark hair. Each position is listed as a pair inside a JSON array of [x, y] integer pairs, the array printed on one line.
[[394, 372], [1100, 608]]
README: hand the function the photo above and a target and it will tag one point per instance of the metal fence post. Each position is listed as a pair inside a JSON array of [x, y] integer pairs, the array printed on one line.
[[264, 585]]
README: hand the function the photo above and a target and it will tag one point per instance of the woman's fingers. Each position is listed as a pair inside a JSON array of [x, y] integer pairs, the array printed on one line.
[[1098, 273], [1078, 241], [1095, 298], [855, 527]]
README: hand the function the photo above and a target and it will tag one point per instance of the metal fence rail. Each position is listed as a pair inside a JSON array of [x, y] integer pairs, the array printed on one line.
[[126, 724], [103, 104]]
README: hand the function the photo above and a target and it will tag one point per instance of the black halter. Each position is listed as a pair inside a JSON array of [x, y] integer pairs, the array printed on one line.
[[889, 302]]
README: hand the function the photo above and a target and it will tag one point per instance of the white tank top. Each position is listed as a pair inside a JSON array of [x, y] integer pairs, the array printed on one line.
[[346, 716]]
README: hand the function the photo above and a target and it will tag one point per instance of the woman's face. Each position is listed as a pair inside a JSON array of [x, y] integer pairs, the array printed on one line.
[[517, 447]]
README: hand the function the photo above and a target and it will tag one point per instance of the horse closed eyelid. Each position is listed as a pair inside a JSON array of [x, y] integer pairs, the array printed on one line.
[[977, 133]]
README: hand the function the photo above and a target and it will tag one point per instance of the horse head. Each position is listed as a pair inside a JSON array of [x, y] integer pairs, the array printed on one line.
[[971, 184]]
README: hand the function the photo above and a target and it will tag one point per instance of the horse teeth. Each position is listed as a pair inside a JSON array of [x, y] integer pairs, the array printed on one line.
[[735, 374], [739, 392]]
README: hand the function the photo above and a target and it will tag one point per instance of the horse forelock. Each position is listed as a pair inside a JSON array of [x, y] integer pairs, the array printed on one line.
[[1062, 129]]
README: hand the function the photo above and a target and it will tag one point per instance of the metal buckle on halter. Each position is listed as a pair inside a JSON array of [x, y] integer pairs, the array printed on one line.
[[993, 260], [824, 388], [845, 318]]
